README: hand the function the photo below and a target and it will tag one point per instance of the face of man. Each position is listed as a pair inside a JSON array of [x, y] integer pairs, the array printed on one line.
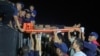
[[31, 8], [59, 52], [28, 15], [23, 13], [91, 38], [19, 6], [74, 45]]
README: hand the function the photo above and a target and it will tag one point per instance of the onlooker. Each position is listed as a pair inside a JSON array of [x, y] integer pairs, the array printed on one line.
[[17, 8], [33, 13], [21, 16]]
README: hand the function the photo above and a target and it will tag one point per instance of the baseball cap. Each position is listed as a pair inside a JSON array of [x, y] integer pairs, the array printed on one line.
[[94, 34], [63, 47]]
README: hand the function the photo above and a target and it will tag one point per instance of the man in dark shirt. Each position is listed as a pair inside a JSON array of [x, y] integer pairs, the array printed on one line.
[[7, 12], [90, 47]]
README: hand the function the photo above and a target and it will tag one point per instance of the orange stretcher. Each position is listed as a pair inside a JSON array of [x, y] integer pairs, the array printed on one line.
[[29, 27]]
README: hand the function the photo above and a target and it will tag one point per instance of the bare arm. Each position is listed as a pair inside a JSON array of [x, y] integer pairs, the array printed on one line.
[[17, 23], [10, 24], [69, 36], [80, 34], [33, 14], [37, 42], [32, 47], [56, 37], [83, 36], [98, 50]]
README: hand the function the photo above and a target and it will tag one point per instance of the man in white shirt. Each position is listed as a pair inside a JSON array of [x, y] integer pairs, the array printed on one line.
[[77, 46]]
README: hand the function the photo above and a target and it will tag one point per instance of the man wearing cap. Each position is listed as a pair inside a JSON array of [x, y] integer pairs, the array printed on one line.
[[90, 47]]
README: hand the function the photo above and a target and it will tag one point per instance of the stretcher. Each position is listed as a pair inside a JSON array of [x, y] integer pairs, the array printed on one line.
[[29, 27]]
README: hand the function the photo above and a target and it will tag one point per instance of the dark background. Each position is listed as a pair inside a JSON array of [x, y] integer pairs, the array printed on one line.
[[65, 12]]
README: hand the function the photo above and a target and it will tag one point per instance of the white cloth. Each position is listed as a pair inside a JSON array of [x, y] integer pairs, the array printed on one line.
[[72, 52], [82, 29], [79, 54], [71, 49], [72, 39]]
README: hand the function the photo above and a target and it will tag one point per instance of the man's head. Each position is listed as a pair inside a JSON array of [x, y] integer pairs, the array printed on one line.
[[77, 44], [60, 37], [93, 36], [28, 15], [31, 7], [47, 26], [59, 52], [19, 6], [22, 13], [40, 26]]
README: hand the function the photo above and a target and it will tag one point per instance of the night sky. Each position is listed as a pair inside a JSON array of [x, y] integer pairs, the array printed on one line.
[[65, 12]]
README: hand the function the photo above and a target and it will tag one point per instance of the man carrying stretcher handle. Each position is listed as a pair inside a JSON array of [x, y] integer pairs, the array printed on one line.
[[35, 48], [34, 52], [61, 47]]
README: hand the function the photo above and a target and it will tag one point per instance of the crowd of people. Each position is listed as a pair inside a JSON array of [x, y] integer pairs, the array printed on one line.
[[57, 43]]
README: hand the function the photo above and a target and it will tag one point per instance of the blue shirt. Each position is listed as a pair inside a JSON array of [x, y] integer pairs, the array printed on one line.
[[33, 53], [90, 48], [26, 20], [15, 11], [32, 18], [35, 13]]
